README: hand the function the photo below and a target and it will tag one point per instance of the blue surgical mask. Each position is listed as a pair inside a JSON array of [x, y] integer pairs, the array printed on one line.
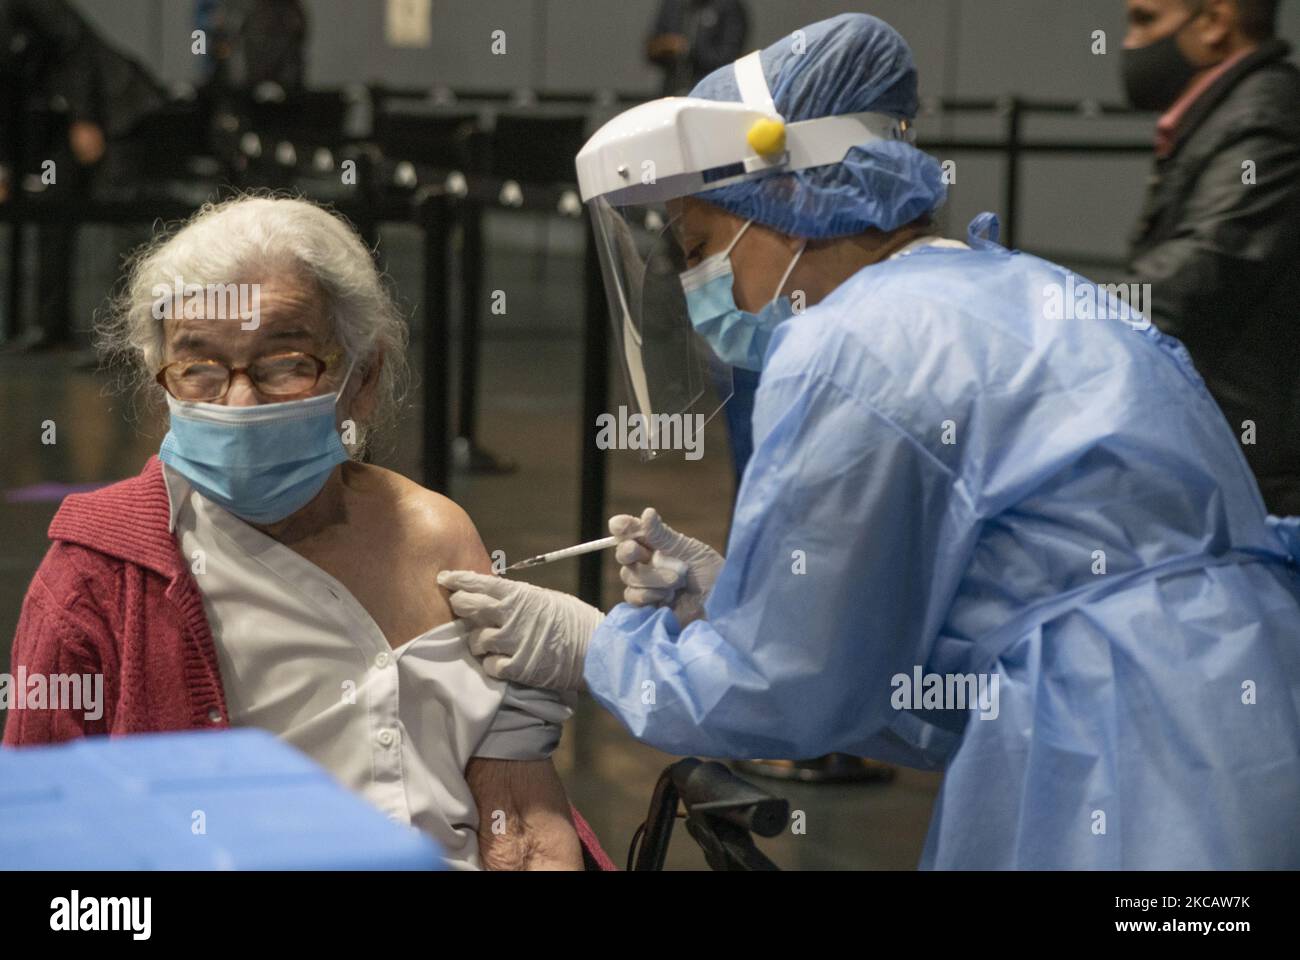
[[738, 337], [262, 463]]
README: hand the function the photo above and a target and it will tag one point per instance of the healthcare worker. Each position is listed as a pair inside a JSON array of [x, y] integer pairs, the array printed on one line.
[[962, 467]]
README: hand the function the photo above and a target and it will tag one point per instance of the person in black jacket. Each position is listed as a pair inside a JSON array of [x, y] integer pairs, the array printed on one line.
[[1219, 238], [257, 42], [50, 57], [692, 38]]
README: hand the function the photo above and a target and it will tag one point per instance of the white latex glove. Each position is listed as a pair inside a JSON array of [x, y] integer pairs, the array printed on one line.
[[661, 567], [527, 634]]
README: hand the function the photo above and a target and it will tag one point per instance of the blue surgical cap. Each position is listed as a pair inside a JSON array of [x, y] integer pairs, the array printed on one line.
[[852, 63]]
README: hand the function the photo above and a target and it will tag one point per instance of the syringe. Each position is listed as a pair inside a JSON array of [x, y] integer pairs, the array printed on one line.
[[575, 551]]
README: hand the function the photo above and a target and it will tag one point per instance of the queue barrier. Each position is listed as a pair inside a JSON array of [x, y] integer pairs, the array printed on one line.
[[440, 159]]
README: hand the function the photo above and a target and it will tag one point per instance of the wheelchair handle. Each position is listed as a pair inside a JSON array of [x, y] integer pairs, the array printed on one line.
[[722, 811], [709, 788]]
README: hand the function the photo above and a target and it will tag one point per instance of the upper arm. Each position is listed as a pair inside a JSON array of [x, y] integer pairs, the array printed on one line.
[[840, 560], [459, 544], [442, 537], [49, 644], [524, 821], [837, 561], [523, 812]]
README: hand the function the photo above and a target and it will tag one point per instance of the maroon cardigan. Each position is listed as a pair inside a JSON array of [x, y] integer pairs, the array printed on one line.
[[114, 595]]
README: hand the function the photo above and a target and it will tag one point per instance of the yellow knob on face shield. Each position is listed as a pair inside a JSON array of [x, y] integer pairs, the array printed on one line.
[[767, 137]]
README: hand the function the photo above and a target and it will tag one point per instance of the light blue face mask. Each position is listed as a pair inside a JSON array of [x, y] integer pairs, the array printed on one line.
[[262, 463], [738, 337]]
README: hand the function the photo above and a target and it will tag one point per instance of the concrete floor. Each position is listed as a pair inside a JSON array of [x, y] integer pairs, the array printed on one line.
[[530, 404]]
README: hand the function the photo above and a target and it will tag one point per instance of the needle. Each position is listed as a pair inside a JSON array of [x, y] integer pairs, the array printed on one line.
[[576, 551]]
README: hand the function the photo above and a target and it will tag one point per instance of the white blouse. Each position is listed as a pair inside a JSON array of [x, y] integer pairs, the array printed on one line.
[[302, 658]]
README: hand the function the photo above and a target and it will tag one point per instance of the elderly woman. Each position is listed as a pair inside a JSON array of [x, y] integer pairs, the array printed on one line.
[[257, 574]]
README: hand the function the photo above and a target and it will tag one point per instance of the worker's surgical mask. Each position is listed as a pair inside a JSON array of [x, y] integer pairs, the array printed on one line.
[[738, 337], [1156, 75], [262, 463]]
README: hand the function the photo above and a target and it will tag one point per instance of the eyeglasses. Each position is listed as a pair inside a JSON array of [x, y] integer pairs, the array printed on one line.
[[278, 375]]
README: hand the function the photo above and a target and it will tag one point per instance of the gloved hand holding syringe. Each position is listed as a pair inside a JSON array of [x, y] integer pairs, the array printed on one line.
[[658, 565], [591, 546], [539, 637]]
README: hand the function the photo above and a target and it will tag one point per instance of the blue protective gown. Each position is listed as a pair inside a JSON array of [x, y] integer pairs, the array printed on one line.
[[946, 479]]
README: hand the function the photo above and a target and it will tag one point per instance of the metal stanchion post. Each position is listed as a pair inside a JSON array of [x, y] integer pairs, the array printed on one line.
[[14, 306], [595, 401], [434, 217], [9, 323], [471, 265], [467, 454], [1012, 199]]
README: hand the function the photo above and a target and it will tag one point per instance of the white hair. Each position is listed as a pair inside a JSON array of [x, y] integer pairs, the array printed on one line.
[[246, 234]]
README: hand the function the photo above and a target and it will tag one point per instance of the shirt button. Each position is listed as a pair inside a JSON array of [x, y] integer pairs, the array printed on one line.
[[381, 660], [387, 737], [214, 715]]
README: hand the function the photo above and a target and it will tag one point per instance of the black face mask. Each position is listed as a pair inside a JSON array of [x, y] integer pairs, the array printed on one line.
[[1157, 74]]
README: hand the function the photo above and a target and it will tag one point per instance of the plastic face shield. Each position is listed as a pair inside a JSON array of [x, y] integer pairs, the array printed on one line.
[[669, 369], [673, 148]]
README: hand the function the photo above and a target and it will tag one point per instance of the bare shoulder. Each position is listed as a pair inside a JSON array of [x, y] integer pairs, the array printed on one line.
[[427, 521]]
